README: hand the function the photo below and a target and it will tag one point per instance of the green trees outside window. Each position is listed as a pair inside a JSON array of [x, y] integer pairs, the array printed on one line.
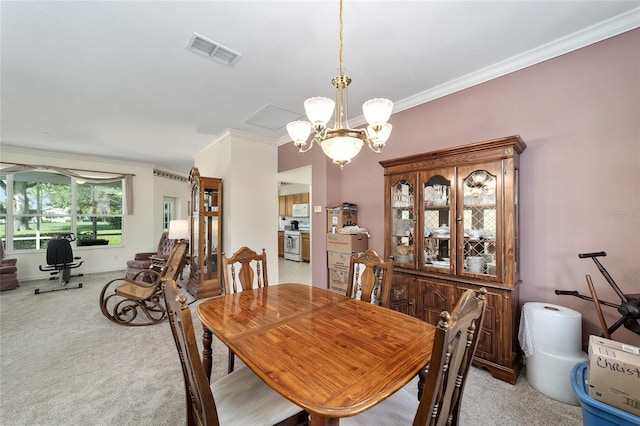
[[45, 204]]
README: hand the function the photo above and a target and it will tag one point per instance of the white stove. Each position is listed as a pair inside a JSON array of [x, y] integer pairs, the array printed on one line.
[[292, 246]]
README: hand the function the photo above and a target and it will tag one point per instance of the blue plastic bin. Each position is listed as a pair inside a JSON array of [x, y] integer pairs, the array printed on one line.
[[596, 413]]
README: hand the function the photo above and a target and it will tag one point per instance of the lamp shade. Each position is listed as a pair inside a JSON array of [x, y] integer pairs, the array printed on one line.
[[299, 131], [319, 110], [341, 149], [377, 111], [178, 229]]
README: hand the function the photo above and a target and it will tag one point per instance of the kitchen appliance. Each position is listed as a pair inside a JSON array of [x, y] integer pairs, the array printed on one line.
[[294, 225], [292, 246], [301, 210]]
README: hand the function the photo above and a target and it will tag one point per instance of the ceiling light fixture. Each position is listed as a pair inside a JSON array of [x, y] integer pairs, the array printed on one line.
[[342, 143]]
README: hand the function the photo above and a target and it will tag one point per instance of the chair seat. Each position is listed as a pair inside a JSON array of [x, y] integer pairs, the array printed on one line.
[[139, 264], [399, 409], [136, 292], [237, 391]]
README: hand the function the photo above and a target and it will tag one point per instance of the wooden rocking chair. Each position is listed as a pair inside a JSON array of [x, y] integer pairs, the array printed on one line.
[[130, 296]]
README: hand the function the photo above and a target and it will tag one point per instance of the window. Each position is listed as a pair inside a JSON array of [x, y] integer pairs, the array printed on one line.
[[167, 212], [43, 205], [99, 213]]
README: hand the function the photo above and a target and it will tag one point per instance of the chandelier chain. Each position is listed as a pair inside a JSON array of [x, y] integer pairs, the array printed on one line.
[[340, 71]]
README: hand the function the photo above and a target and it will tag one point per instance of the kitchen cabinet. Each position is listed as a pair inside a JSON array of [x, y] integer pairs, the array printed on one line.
[[206, 235], [289, 205], [280, 243], [305, 247], [302, 198], [282, 205], [451, 224], [286, 202]]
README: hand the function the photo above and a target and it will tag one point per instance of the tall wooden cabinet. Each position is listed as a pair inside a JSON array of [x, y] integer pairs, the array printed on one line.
[[205, 279], [451, 223]]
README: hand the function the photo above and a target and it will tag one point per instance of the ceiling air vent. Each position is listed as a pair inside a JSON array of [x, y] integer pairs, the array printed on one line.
[[212, 50]]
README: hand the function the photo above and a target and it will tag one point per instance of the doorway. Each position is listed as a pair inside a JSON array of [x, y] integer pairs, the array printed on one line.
[[295, 184]]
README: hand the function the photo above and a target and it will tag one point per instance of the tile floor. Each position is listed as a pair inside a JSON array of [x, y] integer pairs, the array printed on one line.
[[294, 272]]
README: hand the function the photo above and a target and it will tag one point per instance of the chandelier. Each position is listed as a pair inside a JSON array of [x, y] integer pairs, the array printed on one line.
[[341, 143]]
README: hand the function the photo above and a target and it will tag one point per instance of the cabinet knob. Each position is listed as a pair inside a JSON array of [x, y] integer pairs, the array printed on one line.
[[459, 219]]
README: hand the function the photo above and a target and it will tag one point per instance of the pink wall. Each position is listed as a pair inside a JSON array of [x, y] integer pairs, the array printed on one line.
[[579, 115]]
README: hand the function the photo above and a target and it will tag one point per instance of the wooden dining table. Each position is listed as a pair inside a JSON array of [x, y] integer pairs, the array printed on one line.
[[332, 355]]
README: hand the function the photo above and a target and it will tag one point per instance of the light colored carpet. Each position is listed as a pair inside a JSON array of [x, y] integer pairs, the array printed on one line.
[[63, 363]]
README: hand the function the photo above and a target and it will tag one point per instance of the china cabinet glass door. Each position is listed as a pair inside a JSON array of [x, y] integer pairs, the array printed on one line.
[[195, 229], [211, 231], [479, 218], [403, 198], [438, 230]]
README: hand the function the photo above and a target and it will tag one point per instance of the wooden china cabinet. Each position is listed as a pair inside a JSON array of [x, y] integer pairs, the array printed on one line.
[[451, 224], [205, 279]]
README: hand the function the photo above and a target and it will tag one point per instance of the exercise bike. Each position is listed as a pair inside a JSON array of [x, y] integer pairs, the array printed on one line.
[[60, 262], [629, 306]]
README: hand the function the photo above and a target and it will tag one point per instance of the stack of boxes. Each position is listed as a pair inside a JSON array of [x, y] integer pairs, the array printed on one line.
[[341, 246]]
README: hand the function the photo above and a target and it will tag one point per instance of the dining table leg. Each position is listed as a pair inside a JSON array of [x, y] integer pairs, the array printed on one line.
[[206, 351]]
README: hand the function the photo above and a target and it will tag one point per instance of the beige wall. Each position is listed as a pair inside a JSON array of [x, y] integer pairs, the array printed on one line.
[[580, 181], [167, 187], [247, 166]]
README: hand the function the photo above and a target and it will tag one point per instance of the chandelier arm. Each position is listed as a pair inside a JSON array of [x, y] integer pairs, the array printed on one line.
[[374, 148], [321, 134], [301, 148]]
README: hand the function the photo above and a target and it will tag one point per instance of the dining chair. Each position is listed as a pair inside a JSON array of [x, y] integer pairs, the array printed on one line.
[[238, 398], [245, 274], [369, 278], [455, 342], [121, 299], [238, 268]]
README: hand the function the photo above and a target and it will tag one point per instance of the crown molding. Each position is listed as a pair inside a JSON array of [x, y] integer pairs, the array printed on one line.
[[593, 34], [598, 32]]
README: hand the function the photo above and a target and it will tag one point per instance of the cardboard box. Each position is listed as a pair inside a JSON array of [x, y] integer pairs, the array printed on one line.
[[340, 217], [338, 281], [614, 374], [347, 243], [338, 260]]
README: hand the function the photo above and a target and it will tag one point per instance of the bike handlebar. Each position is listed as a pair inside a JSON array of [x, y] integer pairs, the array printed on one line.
[[597, 254]]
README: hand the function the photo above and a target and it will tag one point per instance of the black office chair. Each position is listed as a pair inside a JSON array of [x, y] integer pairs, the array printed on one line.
[[60, 262]]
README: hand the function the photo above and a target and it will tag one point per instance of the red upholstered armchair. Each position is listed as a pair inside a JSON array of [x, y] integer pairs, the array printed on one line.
[[8, 271], [136, 268]]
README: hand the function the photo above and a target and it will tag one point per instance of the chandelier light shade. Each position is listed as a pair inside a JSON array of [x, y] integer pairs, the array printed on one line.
[[341, 143]]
